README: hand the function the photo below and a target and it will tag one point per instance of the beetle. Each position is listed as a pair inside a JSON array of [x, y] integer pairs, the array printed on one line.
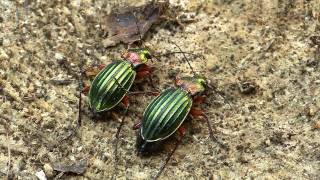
[[111, 85], [167, 112]]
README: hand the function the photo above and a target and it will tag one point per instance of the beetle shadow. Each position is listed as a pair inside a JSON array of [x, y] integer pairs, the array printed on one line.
[[105, 116], [147, 149]]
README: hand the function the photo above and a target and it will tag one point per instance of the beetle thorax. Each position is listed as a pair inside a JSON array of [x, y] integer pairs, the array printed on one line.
[[132, 57], [191, 85]]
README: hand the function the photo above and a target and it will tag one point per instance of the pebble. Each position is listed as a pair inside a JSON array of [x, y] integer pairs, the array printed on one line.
[[48, 170], [41, 175], [3, 55], [59, 56], [317, 125]]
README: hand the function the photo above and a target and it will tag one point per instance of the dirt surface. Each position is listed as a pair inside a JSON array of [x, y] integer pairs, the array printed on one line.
[[257, 53]]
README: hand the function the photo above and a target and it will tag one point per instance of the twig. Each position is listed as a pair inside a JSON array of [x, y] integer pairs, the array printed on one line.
[[9, 155]]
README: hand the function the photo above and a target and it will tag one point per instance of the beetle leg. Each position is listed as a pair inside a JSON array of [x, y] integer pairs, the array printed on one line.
[[125, 101], [169, 156], [115, 116], [142, 74], [116, 157], [137, 92], [101, 66], [182, 131], [80, 103], [120, 86], [198, 113], [136, 125], [86, 89], [151, 81], [199, 99], [144, 70], [154, 93]]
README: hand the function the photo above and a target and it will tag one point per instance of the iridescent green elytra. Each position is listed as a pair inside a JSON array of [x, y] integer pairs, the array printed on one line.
[[111, 85], [114, 81], [165, 114]]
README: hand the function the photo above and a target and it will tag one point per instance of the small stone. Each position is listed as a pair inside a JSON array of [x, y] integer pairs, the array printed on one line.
[[66, 11], [317, 125], [3, 55], [41, 175], [6, 42], [75, 3], [311, 111], [268, 142], [140, 175], [59, 56], [48, 170], [108, 42]]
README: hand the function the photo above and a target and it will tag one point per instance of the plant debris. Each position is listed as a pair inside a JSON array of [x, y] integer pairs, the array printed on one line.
[[131, 23], [78, 167], [247, 87], [315, 40]]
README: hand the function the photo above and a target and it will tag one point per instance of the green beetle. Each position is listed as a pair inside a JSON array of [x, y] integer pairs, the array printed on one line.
[[112, 83], [166, 113]]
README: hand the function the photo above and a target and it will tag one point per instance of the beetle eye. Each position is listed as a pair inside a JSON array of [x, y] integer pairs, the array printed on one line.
[[148, 55]]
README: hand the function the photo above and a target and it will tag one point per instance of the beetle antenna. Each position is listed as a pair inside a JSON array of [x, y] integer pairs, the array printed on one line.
[[184, 57], [209, 127], [179, 52], [220, 94], [168, 158]]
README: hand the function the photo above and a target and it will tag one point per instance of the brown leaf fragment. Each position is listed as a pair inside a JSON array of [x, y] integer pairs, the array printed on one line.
[[129, 24], [78, 167]]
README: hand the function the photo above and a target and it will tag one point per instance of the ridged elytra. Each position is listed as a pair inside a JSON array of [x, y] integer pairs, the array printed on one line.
[[113, 82], [111, 85], [166, 113]]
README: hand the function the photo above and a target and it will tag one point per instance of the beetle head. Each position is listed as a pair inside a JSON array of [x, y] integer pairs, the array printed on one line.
[[193, 85], [137, 56]]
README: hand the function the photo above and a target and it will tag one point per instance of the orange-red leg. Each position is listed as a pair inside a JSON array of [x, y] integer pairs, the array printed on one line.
[[197, 113], [101, 66], [136, 125], [125, 101], [142, 74], [182, 131], [144, 70], [86, 89], [199, 99]]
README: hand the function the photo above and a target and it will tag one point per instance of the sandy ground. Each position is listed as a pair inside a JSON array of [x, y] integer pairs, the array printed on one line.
[[258, 53]]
